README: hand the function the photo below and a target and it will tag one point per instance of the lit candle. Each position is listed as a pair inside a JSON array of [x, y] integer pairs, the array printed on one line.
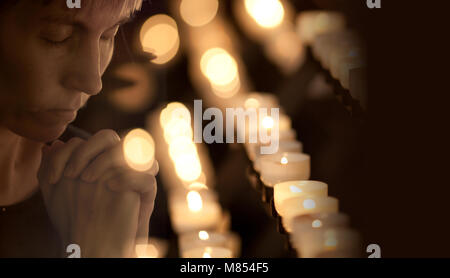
[[208, 252], [196, 210], [283, 146], [297, 206], [332, 243], [199, 239], [290, 189], [307, 223], [155, 248], [284, 167]]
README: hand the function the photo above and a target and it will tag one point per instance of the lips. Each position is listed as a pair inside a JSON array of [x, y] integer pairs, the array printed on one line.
[[55, 117]]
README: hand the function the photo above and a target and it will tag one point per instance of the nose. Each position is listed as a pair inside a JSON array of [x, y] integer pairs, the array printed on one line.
[[85, 74]]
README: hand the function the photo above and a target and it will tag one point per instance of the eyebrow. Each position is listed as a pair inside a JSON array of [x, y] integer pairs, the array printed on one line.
[[67, 20]]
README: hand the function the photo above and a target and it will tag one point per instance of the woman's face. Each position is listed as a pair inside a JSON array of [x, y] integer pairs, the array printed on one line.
[[52, 59]]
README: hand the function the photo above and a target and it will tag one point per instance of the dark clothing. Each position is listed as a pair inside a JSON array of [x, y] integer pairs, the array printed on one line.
[[27, 232]]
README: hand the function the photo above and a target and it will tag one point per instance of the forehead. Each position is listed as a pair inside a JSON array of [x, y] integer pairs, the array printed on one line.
[[94, 12]]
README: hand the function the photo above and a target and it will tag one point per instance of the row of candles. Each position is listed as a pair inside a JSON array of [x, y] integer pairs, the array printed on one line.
[[202, 225], [284, 175], [307, 214]]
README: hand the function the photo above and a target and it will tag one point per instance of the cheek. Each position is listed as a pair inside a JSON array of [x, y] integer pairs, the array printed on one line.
[[106, 56]]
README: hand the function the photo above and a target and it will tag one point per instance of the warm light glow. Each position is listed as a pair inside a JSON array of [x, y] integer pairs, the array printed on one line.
[[207, 253], [198, 12], [177, 128], [188, 167], [197, 186], [159, 35], [181, 146], [203, 235], [309, 204], [219, 67], [268, 122], [285, 161], [174, 110], [229, 90], [266, 13], [251, 103], [194, 200], [293, 188], [139, 150], [317, 223]]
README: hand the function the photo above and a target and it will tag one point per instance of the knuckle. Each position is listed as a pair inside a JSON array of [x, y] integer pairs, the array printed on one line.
[[75, 140], [109, 135]]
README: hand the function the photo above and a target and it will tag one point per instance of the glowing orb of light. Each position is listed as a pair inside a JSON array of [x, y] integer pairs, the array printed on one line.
[[139, 150], [219, 67], [203, 235], [267, 13], [198, 12], [195, 203], [159, 36]]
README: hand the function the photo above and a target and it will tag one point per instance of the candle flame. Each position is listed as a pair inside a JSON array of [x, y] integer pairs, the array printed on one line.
[[268, 122], [266, 13], [194, 200], [317, 223], [284, 161], [207, 253], [203, 235]]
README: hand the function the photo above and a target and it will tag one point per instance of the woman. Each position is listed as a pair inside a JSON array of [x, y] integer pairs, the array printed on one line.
[[81, 192]]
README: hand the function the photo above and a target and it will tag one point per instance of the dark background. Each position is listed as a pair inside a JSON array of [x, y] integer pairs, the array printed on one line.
[[388, 167]]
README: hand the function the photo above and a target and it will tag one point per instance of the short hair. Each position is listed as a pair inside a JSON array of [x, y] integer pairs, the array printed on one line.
[[132, 5]]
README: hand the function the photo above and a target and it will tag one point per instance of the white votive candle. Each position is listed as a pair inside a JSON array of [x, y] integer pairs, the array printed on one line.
[[311, 222], [208, 252], [338, 242], [283, 147], [199, 239], [306, 205], [284, 167], [286, 190], [194, 211]]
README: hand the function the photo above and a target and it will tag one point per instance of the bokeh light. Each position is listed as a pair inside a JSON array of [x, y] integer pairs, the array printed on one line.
[[195, 203], [188, 167], [198, 12], [159, 35], [267, 13], [139, 150], [219, 66]]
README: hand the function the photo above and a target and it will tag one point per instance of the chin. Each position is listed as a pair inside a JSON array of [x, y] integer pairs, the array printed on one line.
[[40, 133]]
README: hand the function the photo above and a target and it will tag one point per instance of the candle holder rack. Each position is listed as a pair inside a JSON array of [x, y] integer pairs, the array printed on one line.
[[352, 105]]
